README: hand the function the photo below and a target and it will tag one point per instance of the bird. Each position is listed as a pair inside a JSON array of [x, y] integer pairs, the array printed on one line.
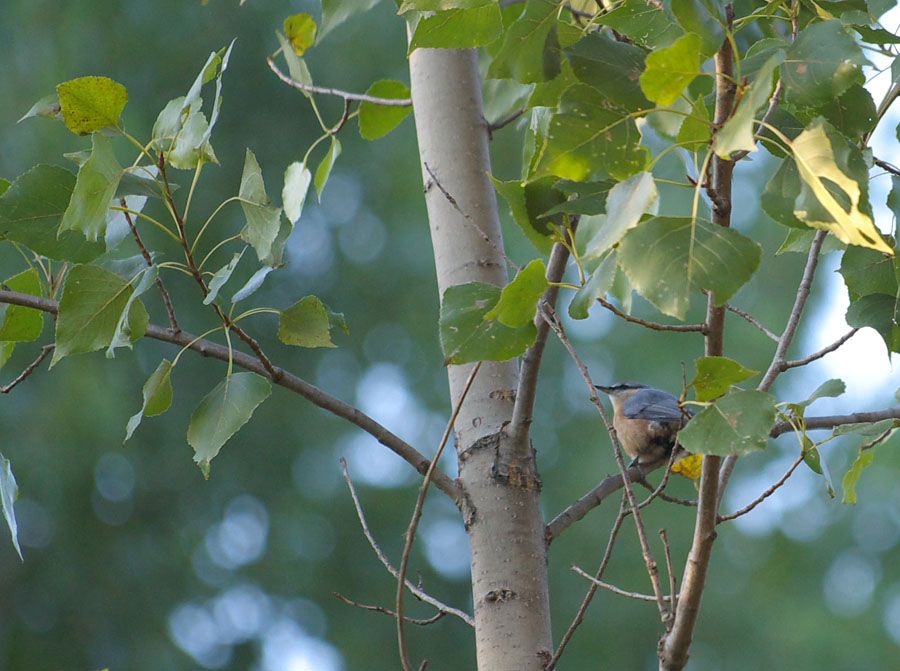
[[646, 420]]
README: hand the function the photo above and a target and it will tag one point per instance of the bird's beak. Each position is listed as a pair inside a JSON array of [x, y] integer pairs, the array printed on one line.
[[605, 390]]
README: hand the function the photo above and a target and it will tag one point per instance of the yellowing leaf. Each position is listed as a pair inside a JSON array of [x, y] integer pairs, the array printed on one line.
[[689, 466], [88, 104], [816, 162], [300, 30]]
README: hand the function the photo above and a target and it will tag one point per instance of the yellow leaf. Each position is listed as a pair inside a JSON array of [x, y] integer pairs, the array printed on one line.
[[88, 104], [300, 30], [815, 158], [689, 466]]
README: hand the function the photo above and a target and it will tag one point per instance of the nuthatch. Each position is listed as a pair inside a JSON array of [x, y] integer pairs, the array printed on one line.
[[646, 420]]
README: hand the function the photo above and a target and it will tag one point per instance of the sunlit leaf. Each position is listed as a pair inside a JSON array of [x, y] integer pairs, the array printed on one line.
[[375, 120], [737, 133], [627, 202], [157, 394], [88, 104], [300, 30], [851, 477], [308, 323], [696, 128], [690, 466], [518, 299], [669, 70], [716, 375], [466, 336], [222, 412], [458, 28]]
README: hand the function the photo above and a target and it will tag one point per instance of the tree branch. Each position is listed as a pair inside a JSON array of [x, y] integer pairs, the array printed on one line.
[[616, 590], [753, 320], [654, 326], [762, 497], [148, 259], [832, 421], [795, 363], [282, 378], [29, 369], [387, 611], [346, 95]]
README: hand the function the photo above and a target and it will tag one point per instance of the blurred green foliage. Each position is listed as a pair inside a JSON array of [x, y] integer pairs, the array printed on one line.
[[132, 560]]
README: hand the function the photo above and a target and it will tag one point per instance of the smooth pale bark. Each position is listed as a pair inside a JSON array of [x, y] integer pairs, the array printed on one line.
[[499, 479]]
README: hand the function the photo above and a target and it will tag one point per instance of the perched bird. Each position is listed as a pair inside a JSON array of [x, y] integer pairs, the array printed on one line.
[[646, 420]]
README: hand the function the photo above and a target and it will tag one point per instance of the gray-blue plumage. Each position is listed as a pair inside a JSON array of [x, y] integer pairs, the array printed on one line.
[[653, 405]]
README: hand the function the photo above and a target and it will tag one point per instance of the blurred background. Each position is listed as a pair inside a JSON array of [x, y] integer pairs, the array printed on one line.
[[134, 562]]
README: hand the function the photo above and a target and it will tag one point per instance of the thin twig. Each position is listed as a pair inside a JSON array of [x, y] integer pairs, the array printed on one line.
[[750, 318], [762, 497], [387, 611], [148, 259], [346, 95], [795, 363], [592, 590], [417, 592], [680, 328], [890, 167], [503, 122], [832, 421], [652, 570], [29, 369], [616, 590], [284, 379], [667, 550], [417, 515]]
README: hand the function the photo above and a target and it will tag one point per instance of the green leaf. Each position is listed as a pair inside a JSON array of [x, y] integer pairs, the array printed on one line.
[[376, 121], [157, 396], [92, 302], [866, 429], [780, 194], [519, 299], [666, 257], [833, 197], [32, 208], [822, 63], [439, 5], [644, 22], [466, 336], [221, 276], [829, 389], [122, 334], [670, 69], [251, 285], [878, 312], [583, 197], [335, 12], [737, 133], [296, 66], [702, 17], [866, 271], [9, 492], [515, 193], [222, 412], [587, 140], [263, 218], [96, 184], [88, 104], [530, 49], [853, 113], [323, 172], [611, 67], [628, 201], [308, 323], [458, 28], [716, 375], [799, 240], [300, 30], [181, 133], [598, 285], [297, 179], [696, 128], [738, 423], [851, 477], [18, 323], [48, 106]]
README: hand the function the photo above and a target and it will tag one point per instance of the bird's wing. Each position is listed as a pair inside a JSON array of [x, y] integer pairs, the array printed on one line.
[[653, 405]]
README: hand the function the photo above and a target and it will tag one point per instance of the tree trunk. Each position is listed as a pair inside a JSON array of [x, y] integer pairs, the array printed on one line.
[[498, 477]]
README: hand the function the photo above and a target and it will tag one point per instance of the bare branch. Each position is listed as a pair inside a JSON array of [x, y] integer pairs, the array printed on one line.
[[592, 590], [29, 369], [831, 421], [678, 328], [890, 167], [417, 592], [762, 497], [616, 590], [417, 515], [531, 363], [282, 378], [494, 126], [795, 363], [387, 611], [667, 550], [750, 318], [550, 315], [346, 95]]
